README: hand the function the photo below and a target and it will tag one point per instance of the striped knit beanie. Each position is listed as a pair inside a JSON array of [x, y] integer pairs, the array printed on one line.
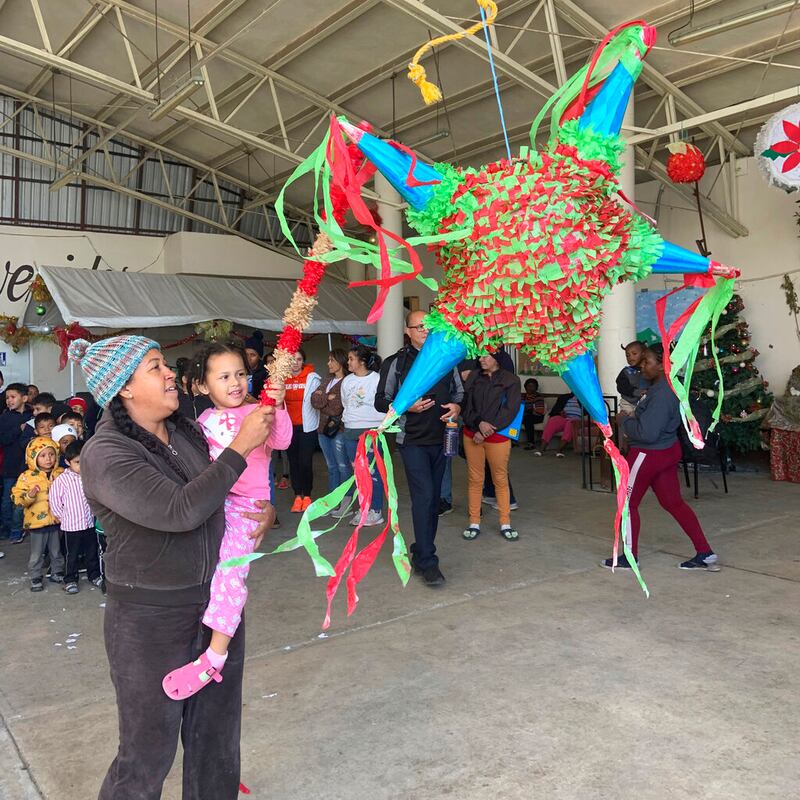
[[108, 364]]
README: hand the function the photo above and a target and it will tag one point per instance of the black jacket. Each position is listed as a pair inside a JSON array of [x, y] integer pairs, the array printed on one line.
[[13, 442], [259, 379], [656, 420], [494, 398], [425, 428]]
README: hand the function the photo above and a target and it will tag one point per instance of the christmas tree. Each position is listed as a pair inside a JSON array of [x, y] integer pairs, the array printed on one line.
[[746, 398]]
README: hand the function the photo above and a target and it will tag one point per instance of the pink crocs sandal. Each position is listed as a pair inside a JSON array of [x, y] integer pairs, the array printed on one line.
[[190, 679]]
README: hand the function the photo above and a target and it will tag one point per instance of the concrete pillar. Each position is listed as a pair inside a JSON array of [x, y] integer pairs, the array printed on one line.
[[618, 326], [354, 270], [390, 325]]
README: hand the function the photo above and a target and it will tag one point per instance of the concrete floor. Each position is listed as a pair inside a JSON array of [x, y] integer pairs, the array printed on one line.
[[532, 673]]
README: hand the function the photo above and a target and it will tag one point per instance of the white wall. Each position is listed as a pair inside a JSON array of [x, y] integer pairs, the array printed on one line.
[[771, 249]]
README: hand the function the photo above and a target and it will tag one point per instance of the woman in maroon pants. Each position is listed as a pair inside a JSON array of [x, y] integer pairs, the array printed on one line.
[[654, 455]]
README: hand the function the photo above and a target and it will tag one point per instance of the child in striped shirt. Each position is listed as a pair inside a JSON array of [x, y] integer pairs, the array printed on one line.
[[69, 504]]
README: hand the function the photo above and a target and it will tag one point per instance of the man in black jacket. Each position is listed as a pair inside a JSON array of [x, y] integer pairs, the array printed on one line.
[[421, 442]]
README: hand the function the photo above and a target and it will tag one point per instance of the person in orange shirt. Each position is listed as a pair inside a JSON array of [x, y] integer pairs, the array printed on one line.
[[305, 420]]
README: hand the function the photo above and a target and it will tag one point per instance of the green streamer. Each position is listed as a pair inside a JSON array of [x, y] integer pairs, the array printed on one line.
[[683, 357]]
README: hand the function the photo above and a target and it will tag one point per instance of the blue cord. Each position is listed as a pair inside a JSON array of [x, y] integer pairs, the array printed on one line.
[[494, 80]]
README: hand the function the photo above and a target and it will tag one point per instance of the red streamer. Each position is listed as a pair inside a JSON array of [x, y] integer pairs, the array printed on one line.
[[344, 176]]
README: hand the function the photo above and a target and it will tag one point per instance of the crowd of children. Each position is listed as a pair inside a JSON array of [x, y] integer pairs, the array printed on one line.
[[42, 498]]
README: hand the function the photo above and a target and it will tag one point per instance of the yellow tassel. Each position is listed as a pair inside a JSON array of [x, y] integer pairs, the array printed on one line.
[[416, 72], [430, 91]]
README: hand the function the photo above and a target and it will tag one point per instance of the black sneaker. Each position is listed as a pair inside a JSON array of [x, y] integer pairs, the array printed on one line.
[[58, 577], [433, 576], [702, 561], [622, 563], [37, 585], [445, 508]]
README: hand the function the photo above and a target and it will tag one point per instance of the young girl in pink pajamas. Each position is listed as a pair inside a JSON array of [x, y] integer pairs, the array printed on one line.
[[221, 374]]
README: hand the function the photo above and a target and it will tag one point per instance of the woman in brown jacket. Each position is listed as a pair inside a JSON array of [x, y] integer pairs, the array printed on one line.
[[328, 400]]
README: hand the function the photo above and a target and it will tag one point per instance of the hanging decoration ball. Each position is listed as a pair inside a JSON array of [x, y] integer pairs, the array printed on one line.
[[685, 163], [743, 413], [742, 364], [777, 148], [710, 393], [40, 310]]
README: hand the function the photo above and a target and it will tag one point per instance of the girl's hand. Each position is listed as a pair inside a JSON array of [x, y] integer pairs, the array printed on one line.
[[256, 427], [277, 393], [33, 491]]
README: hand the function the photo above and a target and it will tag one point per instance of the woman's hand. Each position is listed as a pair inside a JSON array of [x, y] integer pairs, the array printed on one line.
[[256, 426], [486, 429], [277, 392], [477, 438], [265, 519]]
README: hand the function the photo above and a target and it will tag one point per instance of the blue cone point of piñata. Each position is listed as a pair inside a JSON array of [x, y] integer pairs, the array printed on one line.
[[604, 114], [394, 165], [438, 356], [675, 258], [581, 377]]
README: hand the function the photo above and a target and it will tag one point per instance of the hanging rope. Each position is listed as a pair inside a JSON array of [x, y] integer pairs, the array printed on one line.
[[416, 72]]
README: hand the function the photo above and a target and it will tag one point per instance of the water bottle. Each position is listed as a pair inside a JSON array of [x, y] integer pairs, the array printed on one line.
[[451, 438]]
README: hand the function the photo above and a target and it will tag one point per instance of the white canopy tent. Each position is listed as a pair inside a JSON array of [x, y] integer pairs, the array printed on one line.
[[134, 300]]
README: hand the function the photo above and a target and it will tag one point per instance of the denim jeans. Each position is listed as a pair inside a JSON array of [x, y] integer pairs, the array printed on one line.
[[10, 514], [351, 445], [447, 482], [335, 452]]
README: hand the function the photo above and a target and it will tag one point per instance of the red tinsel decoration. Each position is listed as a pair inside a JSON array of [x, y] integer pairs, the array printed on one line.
[[313, 271], [64, 337], [290, 339], [686, 163]]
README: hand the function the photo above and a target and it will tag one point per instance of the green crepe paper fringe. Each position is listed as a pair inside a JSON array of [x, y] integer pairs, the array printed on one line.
[[644, 249], [434, 321], [427, 221], [591, 146]]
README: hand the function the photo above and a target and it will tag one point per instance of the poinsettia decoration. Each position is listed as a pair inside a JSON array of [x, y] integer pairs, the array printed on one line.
[[777, 148], [787, 149]]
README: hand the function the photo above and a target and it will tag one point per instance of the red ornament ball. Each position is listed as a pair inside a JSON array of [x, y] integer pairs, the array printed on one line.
[[685, 163]]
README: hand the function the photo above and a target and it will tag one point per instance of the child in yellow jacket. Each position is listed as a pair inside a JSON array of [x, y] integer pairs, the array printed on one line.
[[31, 492]]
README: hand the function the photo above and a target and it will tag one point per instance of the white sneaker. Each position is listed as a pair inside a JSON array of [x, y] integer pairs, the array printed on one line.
[[2, 554], [341, 511], [373, 518]]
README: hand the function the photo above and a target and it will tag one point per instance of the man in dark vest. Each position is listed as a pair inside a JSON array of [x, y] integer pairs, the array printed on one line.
[[421, 442]]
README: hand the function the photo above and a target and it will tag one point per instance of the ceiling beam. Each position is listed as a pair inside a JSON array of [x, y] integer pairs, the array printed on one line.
[[97, 180], [474, 44], [721, 113], [145, 97], [580, 20], [103, 128]]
